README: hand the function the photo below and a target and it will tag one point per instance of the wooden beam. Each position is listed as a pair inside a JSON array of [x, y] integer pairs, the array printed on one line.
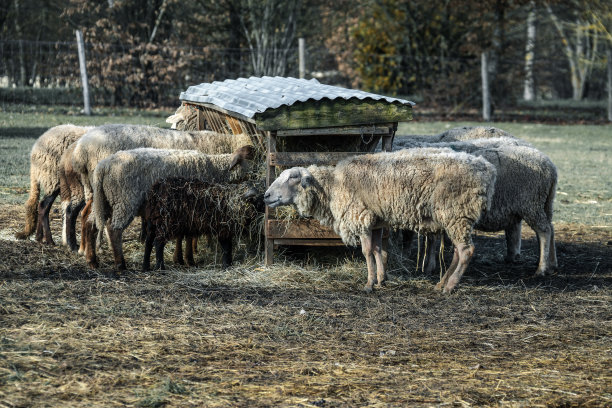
[[348, 130], [291, 159], [309, 242], [327, 113], [300, 228], [269, 243]]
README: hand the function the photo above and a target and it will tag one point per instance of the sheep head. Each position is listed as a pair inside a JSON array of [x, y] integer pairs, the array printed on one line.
[[241, 154], [287, 186]]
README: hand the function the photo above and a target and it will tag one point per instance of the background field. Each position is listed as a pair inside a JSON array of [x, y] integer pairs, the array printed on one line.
[[302, 333]]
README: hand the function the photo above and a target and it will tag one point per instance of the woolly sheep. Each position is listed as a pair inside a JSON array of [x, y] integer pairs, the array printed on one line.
[[122, 180], [426, 190], [524, 190], [179, 207], [108, 139], [457, 134], [44, 164], [105, 140]]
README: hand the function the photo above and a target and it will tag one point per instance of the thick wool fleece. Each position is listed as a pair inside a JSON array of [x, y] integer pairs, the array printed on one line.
[[44, 166], [425, 190], [106, 140], [122, 180], [457, 134], [525, 184]]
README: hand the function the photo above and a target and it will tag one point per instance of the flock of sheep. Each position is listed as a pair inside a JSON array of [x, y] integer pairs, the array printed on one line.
[[187, 184]]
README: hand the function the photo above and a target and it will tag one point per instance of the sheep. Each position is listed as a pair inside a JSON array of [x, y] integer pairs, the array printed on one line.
[[179, 207], [122, 180], [524, 190], [427, 190], [44, 162], [72, 196], [108, 139], [458, 134]]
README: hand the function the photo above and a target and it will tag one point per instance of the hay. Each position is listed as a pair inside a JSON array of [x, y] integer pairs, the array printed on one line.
[[302, 332]]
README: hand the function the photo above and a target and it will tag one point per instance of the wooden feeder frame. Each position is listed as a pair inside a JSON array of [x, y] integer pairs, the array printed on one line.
[[329, 118]]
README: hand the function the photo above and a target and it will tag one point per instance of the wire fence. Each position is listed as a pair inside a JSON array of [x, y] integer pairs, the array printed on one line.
[[149, 75]]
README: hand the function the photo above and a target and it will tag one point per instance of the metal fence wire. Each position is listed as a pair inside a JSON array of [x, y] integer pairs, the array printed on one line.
[[148, 75]]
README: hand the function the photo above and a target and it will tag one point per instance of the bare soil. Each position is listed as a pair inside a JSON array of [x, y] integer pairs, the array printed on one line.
[[303, 333]]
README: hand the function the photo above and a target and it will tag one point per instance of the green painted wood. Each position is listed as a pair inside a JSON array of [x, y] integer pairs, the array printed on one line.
[[317, 114]]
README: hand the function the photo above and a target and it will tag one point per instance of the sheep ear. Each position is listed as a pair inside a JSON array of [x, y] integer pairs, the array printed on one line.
[[307, 180]]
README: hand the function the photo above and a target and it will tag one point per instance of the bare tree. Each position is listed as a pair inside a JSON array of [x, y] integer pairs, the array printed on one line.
[[269, 27], [580, 49], [528, 83]]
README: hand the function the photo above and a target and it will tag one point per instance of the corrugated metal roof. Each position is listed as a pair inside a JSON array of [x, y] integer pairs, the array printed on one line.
[[249, 96]]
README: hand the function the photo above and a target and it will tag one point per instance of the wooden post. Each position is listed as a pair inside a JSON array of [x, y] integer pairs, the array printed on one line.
[[81, 50], [269, 243], [486, 95], [609, 56], [302, 57]]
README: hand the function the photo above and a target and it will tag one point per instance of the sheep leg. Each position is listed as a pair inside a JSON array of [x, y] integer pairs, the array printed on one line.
[[407, 237], [379, 256], [149, 237], [43, 230], [177, 257], [88, 236], [513, 242], [189, 251], [450, 270], [384, 248], [430, 253], [226, 247], [544, 239], [71, 215], [366, 248], [116, 241], [465, 251], [194, 244], [143, 230], [552, 255], [159, 254], [84, 228]]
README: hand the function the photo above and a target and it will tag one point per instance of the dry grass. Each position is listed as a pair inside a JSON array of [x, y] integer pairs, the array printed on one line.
[[302, 333]]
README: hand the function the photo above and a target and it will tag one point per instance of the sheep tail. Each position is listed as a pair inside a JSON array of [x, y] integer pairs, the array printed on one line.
[[31, 207]]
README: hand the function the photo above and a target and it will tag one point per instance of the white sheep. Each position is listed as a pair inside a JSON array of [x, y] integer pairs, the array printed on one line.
[[105, 140], [524, 190], [426, 190], [461, 133], [122, 181], [44, 166]]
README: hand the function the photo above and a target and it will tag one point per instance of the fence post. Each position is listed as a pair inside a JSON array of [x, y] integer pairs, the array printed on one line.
[[609, 56], [83, 67], [486, 94], [301, 57]]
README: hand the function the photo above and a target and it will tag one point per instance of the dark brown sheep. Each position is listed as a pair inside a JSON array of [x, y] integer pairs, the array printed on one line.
[[177, 207]]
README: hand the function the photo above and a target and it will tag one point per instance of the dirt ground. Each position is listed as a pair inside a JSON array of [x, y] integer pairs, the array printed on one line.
[[303, 333]]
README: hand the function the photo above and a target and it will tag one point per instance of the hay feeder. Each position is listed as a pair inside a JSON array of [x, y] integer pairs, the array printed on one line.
[[296, 122]]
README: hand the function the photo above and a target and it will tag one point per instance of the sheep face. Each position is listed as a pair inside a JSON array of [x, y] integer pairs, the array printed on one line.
[[287, 186]]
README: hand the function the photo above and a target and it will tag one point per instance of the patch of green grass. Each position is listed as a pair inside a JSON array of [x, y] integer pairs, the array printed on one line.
[[580, 152], [22, 125]]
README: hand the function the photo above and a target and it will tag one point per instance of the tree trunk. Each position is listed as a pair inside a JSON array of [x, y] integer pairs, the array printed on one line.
[[19, 34], [528, 84], [609, 57], [486, 93]]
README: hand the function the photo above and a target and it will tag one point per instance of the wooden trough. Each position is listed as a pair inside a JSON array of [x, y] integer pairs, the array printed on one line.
[[296, 114]]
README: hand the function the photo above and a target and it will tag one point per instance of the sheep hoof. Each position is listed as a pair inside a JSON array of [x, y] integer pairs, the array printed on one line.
[[368, 289], [380, 285], [439, 285], [21, 235], [93, 264]]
